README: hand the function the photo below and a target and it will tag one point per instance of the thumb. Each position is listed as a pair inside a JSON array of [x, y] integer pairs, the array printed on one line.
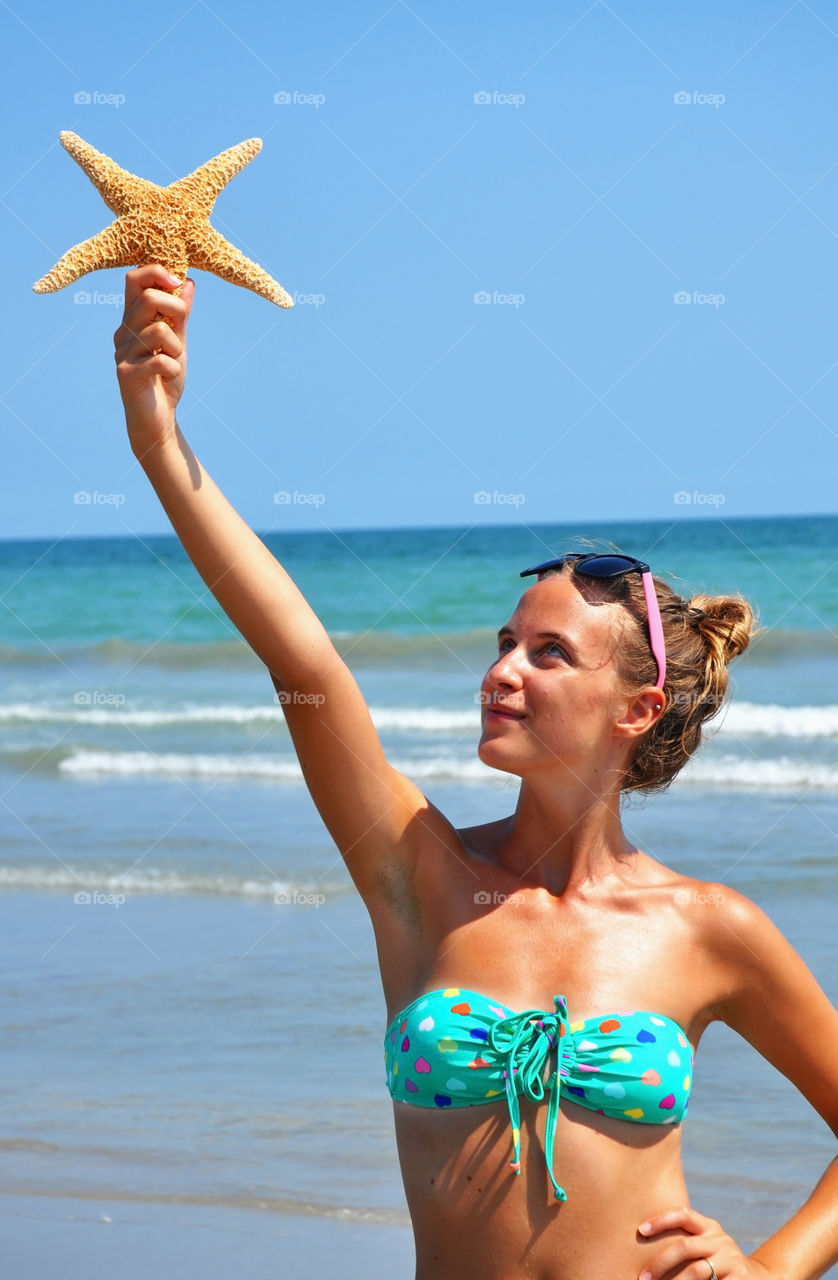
[[187, 294]]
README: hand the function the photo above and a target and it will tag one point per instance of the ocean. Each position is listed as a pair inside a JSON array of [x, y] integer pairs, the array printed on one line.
[[176, 920]]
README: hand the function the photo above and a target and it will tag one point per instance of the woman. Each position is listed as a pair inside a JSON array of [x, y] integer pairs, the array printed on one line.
[[546, 982]]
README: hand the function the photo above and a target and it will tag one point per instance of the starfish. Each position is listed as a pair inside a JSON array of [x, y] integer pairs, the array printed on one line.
[[168, 225]]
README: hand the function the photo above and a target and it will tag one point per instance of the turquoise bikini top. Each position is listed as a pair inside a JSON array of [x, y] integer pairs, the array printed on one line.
[[458, 1048]]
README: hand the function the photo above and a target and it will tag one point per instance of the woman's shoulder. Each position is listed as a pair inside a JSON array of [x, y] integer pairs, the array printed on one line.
[[732, 934], [722, 912], [711, 898], [737, 956], [720, 919]]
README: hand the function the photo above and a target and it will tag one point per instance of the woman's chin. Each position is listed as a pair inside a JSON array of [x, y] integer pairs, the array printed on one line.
[[498, 756]]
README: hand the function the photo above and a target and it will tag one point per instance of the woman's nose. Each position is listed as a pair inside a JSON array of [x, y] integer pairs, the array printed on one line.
[[506, 669]]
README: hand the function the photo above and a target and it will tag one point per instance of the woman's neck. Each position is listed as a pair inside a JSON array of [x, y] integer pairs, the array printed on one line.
[[562, 840]]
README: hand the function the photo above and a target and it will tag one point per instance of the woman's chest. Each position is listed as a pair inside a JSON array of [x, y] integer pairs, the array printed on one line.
[[523, 946]]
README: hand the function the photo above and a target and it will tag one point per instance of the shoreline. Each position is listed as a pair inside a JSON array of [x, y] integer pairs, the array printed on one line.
[[279, 1205], [48, 1236]]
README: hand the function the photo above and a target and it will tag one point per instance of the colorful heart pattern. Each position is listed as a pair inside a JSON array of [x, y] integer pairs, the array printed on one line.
[[634, 1066]]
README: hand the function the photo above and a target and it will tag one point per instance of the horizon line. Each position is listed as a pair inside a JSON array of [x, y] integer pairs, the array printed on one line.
[[421, 528]]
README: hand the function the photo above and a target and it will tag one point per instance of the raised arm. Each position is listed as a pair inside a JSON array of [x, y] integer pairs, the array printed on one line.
[[375, 815]]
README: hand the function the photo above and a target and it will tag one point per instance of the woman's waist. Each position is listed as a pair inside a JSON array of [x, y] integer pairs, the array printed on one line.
[[469, 1208]]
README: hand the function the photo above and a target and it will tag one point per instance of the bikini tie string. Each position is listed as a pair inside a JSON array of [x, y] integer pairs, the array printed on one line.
[[527, 1040]]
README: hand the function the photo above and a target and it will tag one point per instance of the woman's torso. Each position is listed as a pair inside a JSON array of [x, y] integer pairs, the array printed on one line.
[[629, 942]]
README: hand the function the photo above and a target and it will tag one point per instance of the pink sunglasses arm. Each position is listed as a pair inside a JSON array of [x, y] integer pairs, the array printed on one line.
[[653, 614]]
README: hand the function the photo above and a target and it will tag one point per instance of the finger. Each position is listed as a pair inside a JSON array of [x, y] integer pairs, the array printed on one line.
[[153, 302], [187, 297], [182, 307], [682, 1218], [148, 277], [155, 337], [148, 307], [130, 375], [692, 1250]]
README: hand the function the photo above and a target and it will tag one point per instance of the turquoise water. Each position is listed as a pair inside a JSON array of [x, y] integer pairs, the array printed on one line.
[[403, 582], [162, 1022]]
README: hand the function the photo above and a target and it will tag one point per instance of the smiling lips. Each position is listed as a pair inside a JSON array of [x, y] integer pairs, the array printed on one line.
[[506, 712]]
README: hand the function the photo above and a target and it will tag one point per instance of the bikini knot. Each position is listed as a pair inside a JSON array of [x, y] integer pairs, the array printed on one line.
[[526, 1041]]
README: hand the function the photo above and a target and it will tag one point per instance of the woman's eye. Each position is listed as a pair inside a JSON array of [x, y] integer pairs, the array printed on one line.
[[555, 648]]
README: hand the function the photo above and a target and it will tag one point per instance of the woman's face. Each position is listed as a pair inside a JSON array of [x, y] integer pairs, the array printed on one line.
[[552, 698]]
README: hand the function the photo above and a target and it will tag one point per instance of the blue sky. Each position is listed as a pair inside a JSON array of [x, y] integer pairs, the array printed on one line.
[[423, 158]]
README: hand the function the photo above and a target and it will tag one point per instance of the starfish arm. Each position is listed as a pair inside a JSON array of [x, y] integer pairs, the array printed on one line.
[[203, 184], [108, 249], [118, 188], [209, 251]]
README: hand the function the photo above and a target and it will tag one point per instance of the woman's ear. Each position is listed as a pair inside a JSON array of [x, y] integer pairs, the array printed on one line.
[[640, 714]]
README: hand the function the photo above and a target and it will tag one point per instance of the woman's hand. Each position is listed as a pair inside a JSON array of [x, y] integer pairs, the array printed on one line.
[[150, 353], [702, 1251]]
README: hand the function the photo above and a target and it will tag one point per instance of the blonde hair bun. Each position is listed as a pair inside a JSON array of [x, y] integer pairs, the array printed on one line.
[[727, 623]]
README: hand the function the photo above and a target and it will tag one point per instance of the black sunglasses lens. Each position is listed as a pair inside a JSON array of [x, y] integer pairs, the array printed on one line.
[[606, 566], [594, 566]]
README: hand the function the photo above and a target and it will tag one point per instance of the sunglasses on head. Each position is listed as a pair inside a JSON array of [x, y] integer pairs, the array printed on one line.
[[605, 567]]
